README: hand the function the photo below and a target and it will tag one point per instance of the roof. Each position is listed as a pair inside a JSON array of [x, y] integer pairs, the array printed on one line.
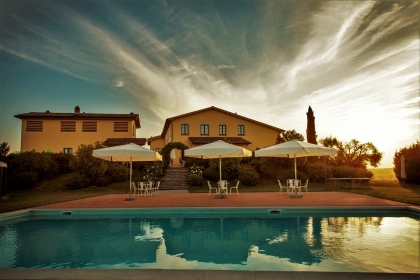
[[111, 142], [207, 140], [153, 138], [49, 115], [168, 121]]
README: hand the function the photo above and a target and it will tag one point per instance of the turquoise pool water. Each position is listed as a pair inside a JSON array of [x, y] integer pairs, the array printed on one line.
[[383, 242]]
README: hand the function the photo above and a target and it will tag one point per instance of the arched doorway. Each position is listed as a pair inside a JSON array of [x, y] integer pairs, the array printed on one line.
[[166, 153]]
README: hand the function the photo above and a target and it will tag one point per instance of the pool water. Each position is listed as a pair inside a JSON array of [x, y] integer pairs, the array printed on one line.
[[368, 244]]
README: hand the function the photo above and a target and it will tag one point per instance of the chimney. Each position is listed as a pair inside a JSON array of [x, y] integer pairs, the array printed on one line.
[[77, 110]]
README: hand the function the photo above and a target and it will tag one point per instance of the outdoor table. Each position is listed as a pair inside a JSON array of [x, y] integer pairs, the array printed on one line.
[[296, 189], [354, 182], [221, 190]]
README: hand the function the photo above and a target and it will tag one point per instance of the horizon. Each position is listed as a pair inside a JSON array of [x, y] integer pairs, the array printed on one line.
[[355, 63]]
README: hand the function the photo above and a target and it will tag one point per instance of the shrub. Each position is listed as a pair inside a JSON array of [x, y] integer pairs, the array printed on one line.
[[195, 176], [103, 181], [315, 172], [230, 167], [85, 163], [412, 163], [211, 174], [115, 172], [24, 180], [63, 162], [195, 180], [345, 171], [78, 181], [247, 175]]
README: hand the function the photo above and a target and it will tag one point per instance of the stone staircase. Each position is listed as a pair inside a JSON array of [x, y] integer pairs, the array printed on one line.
[[174, 178]]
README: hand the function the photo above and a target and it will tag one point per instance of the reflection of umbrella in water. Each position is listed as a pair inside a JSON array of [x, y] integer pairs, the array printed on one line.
[[295, 149], [218, 149], [130, 152], [403, 174]]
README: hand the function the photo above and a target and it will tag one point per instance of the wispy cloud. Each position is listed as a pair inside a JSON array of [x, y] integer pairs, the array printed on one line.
[[351, 61]]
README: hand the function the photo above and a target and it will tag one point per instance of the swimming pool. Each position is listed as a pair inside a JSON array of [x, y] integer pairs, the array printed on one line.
[[293, 239]]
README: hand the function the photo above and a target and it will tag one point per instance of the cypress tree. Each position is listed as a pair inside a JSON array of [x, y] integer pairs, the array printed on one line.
[[310, 128]]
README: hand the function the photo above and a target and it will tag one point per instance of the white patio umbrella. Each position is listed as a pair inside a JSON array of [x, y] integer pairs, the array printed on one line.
[[295, 149], [127, 153], [218, 149]]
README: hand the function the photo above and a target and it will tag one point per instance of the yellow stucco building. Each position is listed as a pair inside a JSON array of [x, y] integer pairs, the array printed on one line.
[[64, 132], [211, 124]]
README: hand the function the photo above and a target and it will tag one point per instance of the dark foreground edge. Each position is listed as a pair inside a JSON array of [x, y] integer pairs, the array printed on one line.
[[173, 274]]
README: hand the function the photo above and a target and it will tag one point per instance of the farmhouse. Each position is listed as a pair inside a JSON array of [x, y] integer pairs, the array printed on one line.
[[211, 124], [64, 132]]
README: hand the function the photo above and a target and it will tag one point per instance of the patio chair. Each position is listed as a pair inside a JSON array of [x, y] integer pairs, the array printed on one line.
[[290, 183], [141, 189], [151, 187], [211, 188], [133, 188], [282, 187], [306, 185], [235, 187], [156, 188]]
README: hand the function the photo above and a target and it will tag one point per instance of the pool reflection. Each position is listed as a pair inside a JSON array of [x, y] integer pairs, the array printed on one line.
[[194, 242]]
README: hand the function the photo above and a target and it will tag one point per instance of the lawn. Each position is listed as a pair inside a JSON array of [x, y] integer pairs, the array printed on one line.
[[53, 191]]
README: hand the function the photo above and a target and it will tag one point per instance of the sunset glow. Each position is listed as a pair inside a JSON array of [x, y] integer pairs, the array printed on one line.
[[356, 63]]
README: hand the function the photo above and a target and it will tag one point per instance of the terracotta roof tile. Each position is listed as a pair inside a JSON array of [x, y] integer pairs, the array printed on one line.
[[231, 140], [111, 142]]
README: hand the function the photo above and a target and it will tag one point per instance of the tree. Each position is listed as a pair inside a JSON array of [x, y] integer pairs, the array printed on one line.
[[289, 135], [353, 153], [310, 128], [412, 163], [86, 164], [4, 150]]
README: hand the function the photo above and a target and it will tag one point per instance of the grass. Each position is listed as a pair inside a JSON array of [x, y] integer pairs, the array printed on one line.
[[53, 191]]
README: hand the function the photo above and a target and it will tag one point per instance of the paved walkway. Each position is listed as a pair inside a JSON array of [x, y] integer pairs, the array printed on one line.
[[257, 199]]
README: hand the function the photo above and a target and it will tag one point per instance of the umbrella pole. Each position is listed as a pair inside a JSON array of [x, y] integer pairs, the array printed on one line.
[[220, 167], [131, 172], [295, 168]]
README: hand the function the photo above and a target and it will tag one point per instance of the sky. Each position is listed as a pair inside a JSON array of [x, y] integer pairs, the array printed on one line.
[[356, 63]]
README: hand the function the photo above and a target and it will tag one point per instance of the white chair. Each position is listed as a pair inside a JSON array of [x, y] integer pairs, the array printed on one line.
[[306, 185], [133, 188], [290, 183], [223, 187], [282, 187], [150, 187], [235, 187], [141, 189], [211, 188], [156, 188]]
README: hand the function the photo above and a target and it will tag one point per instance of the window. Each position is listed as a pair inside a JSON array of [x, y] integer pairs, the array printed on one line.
[[89, 126], [34, 126], [68, 150], [185, 129], [68, 126], [204, 129], [241, 129], [120, 126], [222, 129]]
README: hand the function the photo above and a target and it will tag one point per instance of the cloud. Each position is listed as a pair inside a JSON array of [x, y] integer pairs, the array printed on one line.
[[351, 61], [118, 83]]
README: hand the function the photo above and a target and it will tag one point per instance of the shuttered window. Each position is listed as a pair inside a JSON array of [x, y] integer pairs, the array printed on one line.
[[120, 126], [89, 126], [34, 126], [68, 126]]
